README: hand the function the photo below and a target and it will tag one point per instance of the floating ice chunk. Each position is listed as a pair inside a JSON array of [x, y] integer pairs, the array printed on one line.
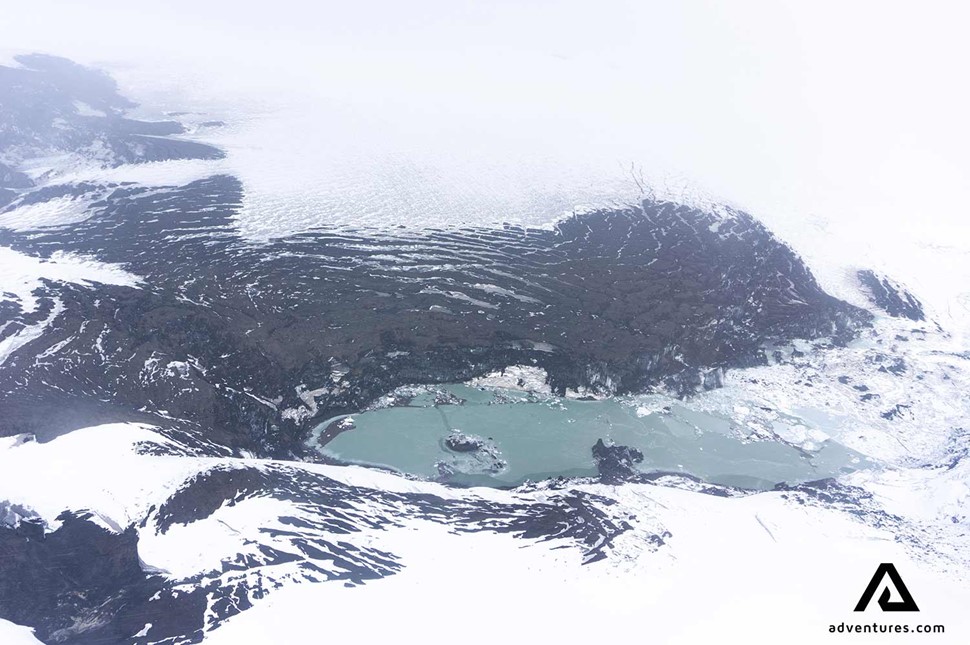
[[516, 377]]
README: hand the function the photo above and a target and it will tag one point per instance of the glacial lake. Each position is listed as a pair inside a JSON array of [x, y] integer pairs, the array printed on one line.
[[532, 437]]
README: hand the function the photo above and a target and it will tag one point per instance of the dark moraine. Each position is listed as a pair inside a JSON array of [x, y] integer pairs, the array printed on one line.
[[248, 344], [616, 301]]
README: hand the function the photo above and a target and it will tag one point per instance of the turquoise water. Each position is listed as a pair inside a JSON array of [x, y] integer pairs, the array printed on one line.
[[527, 437]]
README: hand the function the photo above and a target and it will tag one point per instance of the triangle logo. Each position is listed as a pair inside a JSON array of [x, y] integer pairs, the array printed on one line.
[[887, 569]]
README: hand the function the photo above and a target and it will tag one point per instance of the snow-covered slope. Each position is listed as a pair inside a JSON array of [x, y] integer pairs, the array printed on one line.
[[314, 547], [16, 634]]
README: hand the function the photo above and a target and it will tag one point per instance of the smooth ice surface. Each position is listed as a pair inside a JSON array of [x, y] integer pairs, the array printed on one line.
[[539, 437]]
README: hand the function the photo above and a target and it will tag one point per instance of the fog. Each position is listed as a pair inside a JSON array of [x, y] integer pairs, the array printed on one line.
[[841, 125]]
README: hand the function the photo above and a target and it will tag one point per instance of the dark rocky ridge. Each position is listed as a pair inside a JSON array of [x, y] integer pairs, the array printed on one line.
[[82, 584], [616, 463], [40, 115], [10, 178], [890, 297]]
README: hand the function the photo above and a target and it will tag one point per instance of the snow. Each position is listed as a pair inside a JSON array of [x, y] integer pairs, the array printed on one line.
[[184, 551], [144, 631], [770, 569], [936, 496], [22, 274], [929, 257], [84, 109], [177, 172], [311, 156], [13, 342], [823, 392], [13, 634], [515, 377], [53, 212], [95, 468]]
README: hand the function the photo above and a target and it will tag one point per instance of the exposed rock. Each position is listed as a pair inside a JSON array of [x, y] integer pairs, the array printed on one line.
[[616, 463], [83, 584], [460, 442], [51, 105], [10, 178], [890, 297]]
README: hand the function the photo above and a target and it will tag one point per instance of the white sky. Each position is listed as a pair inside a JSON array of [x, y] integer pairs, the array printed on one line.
[[826, 119]]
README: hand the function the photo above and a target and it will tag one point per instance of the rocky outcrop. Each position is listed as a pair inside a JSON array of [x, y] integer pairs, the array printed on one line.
[[460, 442], [53, 105], [616, 463], [83, 583], [891, 297]]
